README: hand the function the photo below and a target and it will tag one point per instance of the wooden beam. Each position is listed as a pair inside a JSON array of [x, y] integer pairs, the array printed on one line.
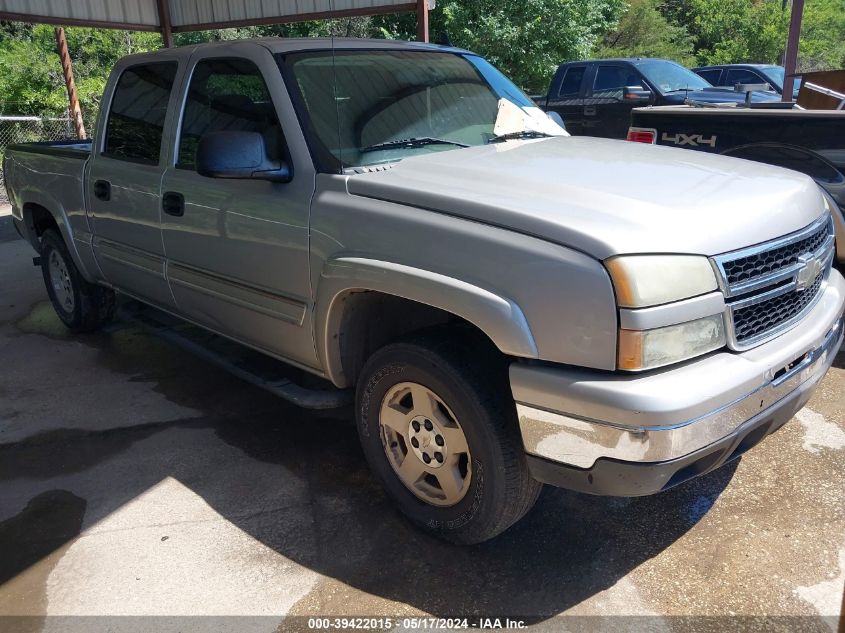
[[67, 71], [164, 22], [791, 56], [422, 20], [300, 17]]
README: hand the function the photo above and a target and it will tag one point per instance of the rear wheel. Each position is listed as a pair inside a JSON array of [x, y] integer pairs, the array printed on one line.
[[82, 306], [441, 433]]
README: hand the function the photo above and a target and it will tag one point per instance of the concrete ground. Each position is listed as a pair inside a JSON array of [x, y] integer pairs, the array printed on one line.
[[137, 480]]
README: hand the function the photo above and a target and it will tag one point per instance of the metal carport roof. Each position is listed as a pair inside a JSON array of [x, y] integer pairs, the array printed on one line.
[[194, 15]]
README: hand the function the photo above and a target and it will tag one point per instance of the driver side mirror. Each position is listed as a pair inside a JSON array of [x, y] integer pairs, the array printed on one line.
[[242, 155], [637, 94]]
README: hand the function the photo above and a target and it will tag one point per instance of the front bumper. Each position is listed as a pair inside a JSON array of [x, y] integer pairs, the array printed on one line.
[[633, 435]]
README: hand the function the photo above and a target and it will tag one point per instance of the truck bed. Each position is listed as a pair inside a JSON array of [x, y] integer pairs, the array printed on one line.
[[35, 172], [71, 148]]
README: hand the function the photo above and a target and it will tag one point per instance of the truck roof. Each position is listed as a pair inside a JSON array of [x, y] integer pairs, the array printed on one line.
[[714, 66], [630, 60], [291, 45]]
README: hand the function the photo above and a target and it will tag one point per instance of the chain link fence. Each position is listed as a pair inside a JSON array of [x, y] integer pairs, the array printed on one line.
[[28, 129]]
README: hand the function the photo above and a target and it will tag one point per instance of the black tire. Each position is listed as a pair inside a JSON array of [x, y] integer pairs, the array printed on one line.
[[92, 306], [475, 387]]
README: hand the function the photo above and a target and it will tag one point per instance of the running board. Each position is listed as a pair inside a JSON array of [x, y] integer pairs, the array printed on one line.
[[249, 365]]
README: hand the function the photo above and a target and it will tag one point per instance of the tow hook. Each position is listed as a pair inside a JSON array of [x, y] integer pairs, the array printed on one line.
[[36, 261]]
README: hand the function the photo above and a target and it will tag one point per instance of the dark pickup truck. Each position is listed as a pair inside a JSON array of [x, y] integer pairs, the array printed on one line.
[[730, 75], [595, 98], [808, 141]]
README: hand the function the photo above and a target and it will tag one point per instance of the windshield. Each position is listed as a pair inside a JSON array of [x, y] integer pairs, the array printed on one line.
[[668, 76], [440, 100], [775, 74]]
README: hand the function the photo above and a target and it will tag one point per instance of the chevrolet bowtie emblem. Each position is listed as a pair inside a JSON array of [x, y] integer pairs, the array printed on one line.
[[810, 267]]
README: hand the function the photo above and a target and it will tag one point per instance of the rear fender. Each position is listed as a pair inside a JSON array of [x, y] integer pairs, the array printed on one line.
[[30, 197]]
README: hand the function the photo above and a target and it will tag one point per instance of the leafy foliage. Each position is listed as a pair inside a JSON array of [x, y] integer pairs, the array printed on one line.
[[31, 80], [644, 31], [731, 31], [823, 36], [737, 30]]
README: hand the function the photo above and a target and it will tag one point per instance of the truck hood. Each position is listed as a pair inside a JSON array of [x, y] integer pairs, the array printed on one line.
[[605, 197]]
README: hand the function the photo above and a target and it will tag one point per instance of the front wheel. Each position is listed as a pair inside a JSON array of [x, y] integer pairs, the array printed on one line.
[[82, 306], [440, 432]]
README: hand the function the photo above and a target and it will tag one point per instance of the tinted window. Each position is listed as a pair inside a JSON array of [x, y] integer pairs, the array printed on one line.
[[571, 84], [668, 76], [138, 110], [739, 76], [610, 78], [227, 95], [710, 75]]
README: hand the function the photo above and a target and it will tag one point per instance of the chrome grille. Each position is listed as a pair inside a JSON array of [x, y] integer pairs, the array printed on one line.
[[746, 268], [761, 317], [769, 287]]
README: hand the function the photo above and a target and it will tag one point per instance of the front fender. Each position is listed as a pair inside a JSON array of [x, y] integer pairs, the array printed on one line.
[[498, 317]]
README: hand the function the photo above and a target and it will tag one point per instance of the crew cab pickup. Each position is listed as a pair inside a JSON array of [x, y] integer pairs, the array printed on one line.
[[595, 97], [510, 305]]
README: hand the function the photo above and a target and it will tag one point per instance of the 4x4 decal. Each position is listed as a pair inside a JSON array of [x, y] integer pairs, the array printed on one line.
[[694, 140]]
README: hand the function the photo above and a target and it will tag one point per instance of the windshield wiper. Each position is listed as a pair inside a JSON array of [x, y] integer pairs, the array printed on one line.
[[420, 141], [514, 135]]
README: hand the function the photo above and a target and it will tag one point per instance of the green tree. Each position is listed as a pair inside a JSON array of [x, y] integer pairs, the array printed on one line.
[[644, 31], [31, 80], [822, 45], [730, 31], [734, 31]]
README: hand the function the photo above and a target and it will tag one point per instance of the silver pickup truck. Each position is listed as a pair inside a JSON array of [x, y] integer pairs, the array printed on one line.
[[511, 306]]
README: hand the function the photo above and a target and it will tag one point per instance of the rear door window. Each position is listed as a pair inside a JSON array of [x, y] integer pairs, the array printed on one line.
[[138, 110], [571, 84]]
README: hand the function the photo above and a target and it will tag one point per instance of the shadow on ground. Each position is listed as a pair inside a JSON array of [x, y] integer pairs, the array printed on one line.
[[567, 549]]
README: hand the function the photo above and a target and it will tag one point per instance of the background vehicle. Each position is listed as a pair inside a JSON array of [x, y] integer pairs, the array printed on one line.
[[809, 141], [732, 74], [395, 219], [595, 98]]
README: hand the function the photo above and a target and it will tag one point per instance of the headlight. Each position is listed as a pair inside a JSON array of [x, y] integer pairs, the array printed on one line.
[[647, 349], [649, 280]]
